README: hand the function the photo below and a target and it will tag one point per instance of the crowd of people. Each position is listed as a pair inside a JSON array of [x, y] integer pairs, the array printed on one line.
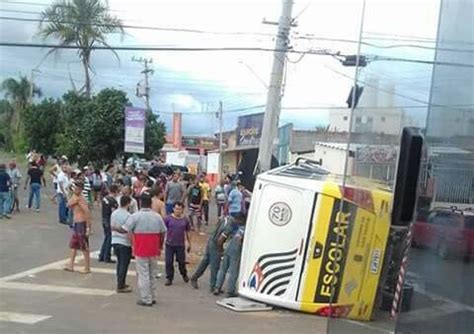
[[142, 215]]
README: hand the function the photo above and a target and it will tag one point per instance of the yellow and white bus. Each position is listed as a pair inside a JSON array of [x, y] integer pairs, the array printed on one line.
[[314, 244]]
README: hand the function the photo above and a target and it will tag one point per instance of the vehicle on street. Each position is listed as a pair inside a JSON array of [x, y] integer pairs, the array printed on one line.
[[449, 231]]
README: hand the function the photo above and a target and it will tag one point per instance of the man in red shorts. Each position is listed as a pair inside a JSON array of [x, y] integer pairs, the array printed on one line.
[[81, 228]]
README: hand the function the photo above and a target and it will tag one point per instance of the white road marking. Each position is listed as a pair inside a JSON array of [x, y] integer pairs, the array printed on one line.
[[111, 271], [54, 265], [55, 288], [22, 318]]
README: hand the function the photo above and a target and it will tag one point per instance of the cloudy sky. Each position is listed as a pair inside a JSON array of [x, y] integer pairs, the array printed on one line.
[[194, 82]]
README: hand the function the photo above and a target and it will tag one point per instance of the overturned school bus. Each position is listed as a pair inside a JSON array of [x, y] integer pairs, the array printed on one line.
[[314, 243]]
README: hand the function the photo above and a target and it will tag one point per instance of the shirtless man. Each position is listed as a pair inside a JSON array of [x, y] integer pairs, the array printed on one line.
[[81, 228], [157, 204]]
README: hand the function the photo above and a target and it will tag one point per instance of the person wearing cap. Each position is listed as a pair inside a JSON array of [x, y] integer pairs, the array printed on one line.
[[148, 231], [81, 228]]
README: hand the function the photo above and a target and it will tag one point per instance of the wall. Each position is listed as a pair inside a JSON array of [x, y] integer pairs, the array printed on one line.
[[332, 156]]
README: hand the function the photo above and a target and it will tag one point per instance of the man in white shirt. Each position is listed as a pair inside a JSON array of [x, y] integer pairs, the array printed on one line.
[[62, 191]]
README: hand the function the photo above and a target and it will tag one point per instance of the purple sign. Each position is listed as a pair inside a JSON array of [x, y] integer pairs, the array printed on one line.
[[135, 130], [249, 130]]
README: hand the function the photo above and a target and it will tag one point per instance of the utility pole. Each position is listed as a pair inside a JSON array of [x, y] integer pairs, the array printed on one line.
[[221, 147], [145, 72], [273, 106]]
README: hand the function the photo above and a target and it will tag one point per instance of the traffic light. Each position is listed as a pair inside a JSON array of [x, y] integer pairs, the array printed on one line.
[[358, 92]]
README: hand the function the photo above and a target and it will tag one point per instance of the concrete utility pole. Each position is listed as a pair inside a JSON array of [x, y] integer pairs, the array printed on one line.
[[273, 106], [221, 147], [146, 71]]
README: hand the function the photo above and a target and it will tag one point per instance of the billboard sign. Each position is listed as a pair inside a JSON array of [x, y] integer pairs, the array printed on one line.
[[135, 130], [249, 130]]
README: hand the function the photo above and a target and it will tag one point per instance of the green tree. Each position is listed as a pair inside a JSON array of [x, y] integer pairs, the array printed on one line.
[[82, 23], [93, 129], [6, 111], [154, 136], [19, 93], [42, 125]]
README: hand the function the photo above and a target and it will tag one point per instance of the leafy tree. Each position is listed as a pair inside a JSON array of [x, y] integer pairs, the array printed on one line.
[[6, 111], [105, 126], [19, 93], [42, 124], [154, 136], [93, 129], [82, 23]]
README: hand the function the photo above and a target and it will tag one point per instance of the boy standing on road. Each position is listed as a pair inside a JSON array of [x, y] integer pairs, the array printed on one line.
[[148, 230], [109, 204], [121, 243], [177, 229], [81, 228]]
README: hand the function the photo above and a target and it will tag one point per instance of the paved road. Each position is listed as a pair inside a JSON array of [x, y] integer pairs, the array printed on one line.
[[42, 298], [444, 295]]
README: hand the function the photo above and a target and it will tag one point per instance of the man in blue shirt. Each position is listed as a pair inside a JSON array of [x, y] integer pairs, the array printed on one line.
[[5, 183], [235, 200]]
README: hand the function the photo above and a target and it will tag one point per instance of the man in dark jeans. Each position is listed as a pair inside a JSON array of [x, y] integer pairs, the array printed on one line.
[[177, 228], [109, 204], [35, 178], [121, 243]]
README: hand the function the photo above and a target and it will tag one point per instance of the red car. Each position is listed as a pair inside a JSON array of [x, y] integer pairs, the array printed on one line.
[[449, 231]]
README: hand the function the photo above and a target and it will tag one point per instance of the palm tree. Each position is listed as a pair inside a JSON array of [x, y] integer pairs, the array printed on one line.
[[19, 93], [82, 23]]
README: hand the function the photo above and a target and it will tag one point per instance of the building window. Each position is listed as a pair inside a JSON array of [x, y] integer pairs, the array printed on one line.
[[369, 119], [358, 120], [345, 118], [383, 118]]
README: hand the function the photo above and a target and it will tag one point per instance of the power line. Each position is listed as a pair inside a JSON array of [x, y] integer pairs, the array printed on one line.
[[392, 46], [186, 30], [397, 94], [129, 26], [212, 49]]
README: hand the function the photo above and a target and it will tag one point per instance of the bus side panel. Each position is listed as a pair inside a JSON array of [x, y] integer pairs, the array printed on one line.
[[373, 268], [353, 283]]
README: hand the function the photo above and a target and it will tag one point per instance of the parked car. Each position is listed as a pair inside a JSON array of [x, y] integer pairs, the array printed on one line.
[[449, 231]]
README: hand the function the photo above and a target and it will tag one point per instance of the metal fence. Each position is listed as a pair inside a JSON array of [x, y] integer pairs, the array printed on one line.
[[453, 185]]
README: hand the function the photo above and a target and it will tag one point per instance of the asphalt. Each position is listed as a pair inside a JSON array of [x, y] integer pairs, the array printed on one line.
[[33, 245], [76, 303]]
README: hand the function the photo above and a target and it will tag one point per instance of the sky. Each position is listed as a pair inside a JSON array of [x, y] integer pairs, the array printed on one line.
[[194, 82]]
